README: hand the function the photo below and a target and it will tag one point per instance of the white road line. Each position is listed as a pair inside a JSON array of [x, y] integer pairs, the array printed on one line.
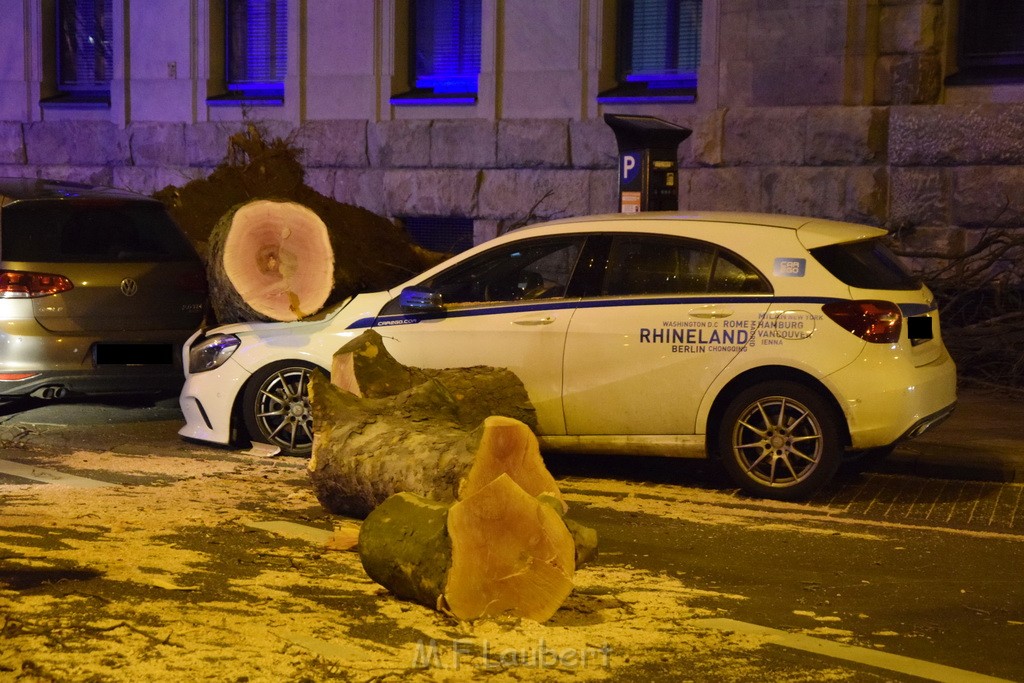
[[293, 530], [851, 653], [46, 476]]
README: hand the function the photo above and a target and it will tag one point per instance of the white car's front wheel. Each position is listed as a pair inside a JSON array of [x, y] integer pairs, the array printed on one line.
[[275, 407], [780, 440]]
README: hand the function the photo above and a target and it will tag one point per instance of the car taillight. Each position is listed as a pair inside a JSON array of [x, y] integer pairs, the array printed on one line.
[[16, 284], [878, 322]]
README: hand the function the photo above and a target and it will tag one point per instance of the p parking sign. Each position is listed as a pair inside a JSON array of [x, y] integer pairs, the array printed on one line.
[[630, 168]]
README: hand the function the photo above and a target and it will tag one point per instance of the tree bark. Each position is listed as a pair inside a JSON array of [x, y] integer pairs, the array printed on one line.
[[269, 261]]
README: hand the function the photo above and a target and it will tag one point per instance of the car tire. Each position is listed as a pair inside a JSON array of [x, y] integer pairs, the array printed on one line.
[[780, 440], [275, 407]]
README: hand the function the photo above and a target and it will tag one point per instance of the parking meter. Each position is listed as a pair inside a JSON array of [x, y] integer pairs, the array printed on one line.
[[648, 166]]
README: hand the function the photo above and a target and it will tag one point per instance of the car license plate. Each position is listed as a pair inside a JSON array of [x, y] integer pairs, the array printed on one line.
[[134, 354], [919, 328]]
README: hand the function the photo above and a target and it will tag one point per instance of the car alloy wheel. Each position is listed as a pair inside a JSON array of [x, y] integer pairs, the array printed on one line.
[[276, 407], [780, 440]]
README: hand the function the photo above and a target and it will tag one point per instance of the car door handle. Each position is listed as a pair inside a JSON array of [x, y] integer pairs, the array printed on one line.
[[710, 312], [546, 320]]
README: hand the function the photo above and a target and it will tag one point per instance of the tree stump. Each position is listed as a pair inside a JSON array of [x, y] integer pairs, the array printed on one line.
[[269, 261]]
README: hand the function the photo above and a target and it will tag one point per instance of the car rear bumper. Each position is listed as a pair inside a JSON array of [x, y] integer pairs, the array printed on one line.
[[35, 362], [105, 380], [886, 401]]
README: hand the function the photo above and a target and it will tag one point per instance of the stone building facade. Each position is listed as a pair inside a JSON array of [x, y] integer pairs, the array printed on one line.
[[843, 109]]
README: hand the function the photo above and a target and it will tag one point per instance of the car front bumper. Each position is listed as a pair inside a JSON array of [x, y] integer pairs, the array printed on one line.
[[207, 402]]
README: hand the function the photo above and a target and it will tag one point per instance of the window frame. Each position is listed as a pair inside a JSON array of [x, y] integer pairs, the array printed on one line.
[[497, 261], [79, 95], [268, 92], [980, 67], [632, 87], [717, 254], [417, 92]]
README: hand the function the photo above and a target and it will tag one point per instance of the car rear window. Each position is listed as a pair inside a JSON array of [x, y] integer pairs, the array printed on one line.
[[91, 232], [866, 265]]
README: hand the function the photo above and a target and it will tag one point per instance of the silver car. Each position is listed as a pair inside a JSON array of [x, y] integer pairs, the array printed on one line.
[[98, 290]]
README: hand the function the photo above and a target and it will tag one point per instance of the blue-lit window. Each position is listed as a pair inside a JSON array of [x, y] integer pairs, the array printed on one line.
[[446, 234], [991, 42], [444, 52], [85, 54], [658, 51], [257, 48]]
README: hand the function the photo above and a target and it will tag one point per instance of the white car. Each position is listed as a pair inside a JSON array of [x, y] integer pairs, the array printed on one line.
[[776, 344]]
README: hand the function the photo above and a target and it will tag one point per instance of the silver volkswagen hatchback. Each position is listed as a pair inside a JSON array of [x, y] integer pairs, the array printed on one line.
[[98, 290]]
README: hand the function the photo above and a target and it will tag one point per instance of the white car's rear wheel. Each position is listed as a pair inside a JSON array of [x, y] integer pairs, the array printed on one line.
[[780, 440], [275, 407]]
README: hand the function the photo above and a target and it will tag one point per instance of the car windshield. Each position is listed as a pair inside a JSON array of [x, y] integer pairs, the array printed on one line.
[[866, 265], [90, 232]]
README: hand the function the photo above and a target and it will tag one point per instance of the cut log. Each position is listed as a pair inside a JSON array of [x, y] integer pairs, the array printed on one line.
[[511, 555], [508, 447], [499, 552], [404, 429], [269, 261], [397, 445], [364, 367], [404, 546], [365, 450]]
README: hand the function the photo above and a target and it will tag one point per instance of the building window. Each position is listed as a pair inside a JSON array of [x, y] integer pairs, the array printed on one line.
[[85, 53], [256, 51], [991, 42], [444, 52], [658, 51], [446, 234]]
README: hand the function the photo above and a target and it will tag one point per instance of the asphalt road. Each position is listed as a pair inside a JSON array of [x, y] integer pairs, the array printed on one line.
[[881, 577]]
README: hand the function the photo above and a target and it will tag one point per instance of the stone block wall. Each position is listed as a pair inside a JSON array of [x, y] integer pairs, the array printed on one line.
[[936, 172], [822, 108]]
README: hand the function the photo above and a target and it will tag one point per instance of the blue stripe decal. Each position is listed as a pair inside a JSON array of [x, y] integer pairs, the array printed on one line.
[[406, 319]]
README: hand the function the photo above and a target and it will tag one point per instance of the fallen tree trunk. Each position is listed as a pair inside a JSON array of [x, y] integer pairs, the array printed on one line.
[[269, 261], [365, 368], [398, 428], [461, 513]]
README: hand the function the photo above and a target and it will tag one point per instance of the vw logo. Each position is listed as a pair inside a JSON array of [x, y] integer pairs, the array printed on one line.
[[129, 286]]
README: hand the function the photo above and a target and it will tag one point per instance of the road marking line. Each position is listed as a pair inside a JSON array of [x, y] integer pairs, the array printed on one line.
[[293, 530], [851, 653], [46, 476]]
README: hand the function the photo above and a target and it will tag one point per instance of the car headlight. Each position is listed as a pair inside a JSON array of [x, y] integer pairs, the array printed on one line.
[[212, 352]]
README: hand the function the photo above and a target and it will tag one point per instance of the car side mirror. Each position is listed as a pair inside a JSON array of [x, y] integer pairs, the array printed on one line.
[[418, 299]]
